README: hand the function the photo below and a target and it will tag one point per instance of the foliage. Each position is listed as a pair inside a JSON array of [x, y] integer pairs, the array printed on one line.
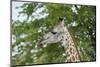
[[80, 20]]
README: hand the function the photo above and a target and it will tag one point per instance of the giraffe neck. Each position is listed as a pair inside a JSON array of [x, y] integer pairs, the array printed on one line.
[[70, 49]]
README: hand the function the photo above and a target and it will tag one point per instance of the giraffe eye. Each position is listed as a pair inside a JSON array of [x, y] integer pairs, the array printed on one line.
[[53, 32]]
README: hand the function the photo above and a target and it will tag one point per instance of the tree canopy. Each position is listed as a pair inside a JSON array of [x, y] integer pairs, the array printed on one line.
[[41, 17]]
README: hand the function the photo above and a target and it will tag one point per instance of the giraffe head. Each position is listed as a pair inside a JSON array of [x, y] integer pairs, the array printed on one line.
[[61, 34], [55, 35]]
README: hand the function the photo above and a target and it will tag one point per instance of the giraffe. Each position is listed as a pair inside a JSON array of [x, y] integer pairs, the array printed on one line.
[[61, 34]]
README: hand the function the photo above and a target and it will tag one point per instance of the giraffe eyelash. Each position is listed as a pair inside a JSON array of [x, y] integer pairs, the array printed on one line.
[[53, 32]]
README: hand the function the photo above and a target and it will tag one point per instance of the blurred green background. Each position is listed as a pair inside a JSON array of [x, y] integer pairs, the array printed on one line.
[[38, 18]]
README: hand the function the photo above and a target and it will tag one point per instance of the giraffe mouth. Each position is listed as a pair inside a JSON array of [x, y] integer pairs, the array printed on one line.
[[41, 44]]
